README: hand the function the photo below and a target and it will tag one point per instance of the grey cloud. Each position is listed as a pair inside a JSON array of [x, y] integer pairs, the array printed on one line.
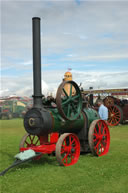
[[88, 20], [102, 79], [64, 26], [23, 85]]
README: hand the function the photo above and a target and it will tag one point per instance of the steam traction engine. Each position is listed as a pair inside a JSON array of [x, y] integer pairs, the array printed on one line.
[[66, 128], [117, 109]]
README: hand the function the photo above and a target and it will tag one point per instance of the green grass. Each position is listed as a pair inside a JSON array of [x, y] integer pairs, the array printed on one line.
[[107, 174]]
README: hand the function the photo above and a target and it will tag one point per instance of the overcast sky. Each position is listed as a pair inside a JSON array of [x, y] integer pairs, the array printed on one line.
[[91, 37]]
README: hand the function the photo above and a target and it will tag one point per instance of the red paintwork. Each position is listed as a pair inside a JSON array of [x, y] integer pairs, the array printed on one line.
[[70, 147], [101, 138], [43, 146], [68, 157], [44, 149], [54, 137]]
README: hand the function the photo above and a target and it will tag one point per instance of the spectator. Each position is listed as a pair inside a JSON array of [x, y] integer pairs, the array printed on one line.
[[103, 111]]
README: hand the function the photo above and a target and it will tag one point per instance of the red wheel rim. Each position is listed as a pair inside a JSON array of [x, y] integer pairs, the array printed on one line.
[[68, 149], [99, 138], [114, 116]]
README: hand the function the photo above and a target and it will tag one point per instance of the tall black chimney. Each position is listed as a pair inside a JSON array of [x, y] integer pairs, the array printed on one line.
[[37, 95], [37, 120]]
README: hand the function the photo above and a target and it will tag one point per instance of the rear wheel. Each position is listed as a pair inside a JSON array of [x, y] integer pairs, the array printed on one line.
[[99, 138], [115, 115]]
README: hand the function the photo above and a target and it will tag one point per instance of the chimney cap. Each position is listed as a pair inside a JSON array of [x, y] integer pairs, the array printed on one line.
[[36, 18]]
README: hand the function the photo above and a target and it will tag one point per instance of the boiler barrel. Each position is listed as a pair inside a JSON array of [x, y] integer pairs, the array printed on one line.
[[40, 122], [64, 126]]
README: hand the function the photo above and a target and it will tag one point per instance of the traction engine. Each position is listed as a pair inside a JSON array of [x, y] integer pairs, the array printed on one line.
[[66, 128], [117, 109]]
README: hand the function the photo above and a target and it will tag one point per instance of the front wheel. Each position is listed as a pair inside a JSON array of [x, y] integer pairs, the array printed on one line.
[[68, 149], [29, 141]]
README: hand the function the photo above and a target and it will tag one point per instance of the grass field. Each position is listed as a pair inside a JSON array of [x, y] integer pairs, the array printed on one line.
[[107, 174]]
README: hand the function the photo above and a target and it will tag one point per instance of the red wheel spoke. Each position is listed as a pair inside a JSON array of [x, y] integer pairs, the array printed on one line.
[[75, 147], [97, 151], [117, 113], [65, 156], [115, 120], [65, 142], [99, 127], [104, 141], [97, 144], [62, 151], [110, 122], [95, 130], [63, 146], [103, 130], [95, 135], [114, 109], [105, 135], [94, 140], [71, 141], [110, 108]]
